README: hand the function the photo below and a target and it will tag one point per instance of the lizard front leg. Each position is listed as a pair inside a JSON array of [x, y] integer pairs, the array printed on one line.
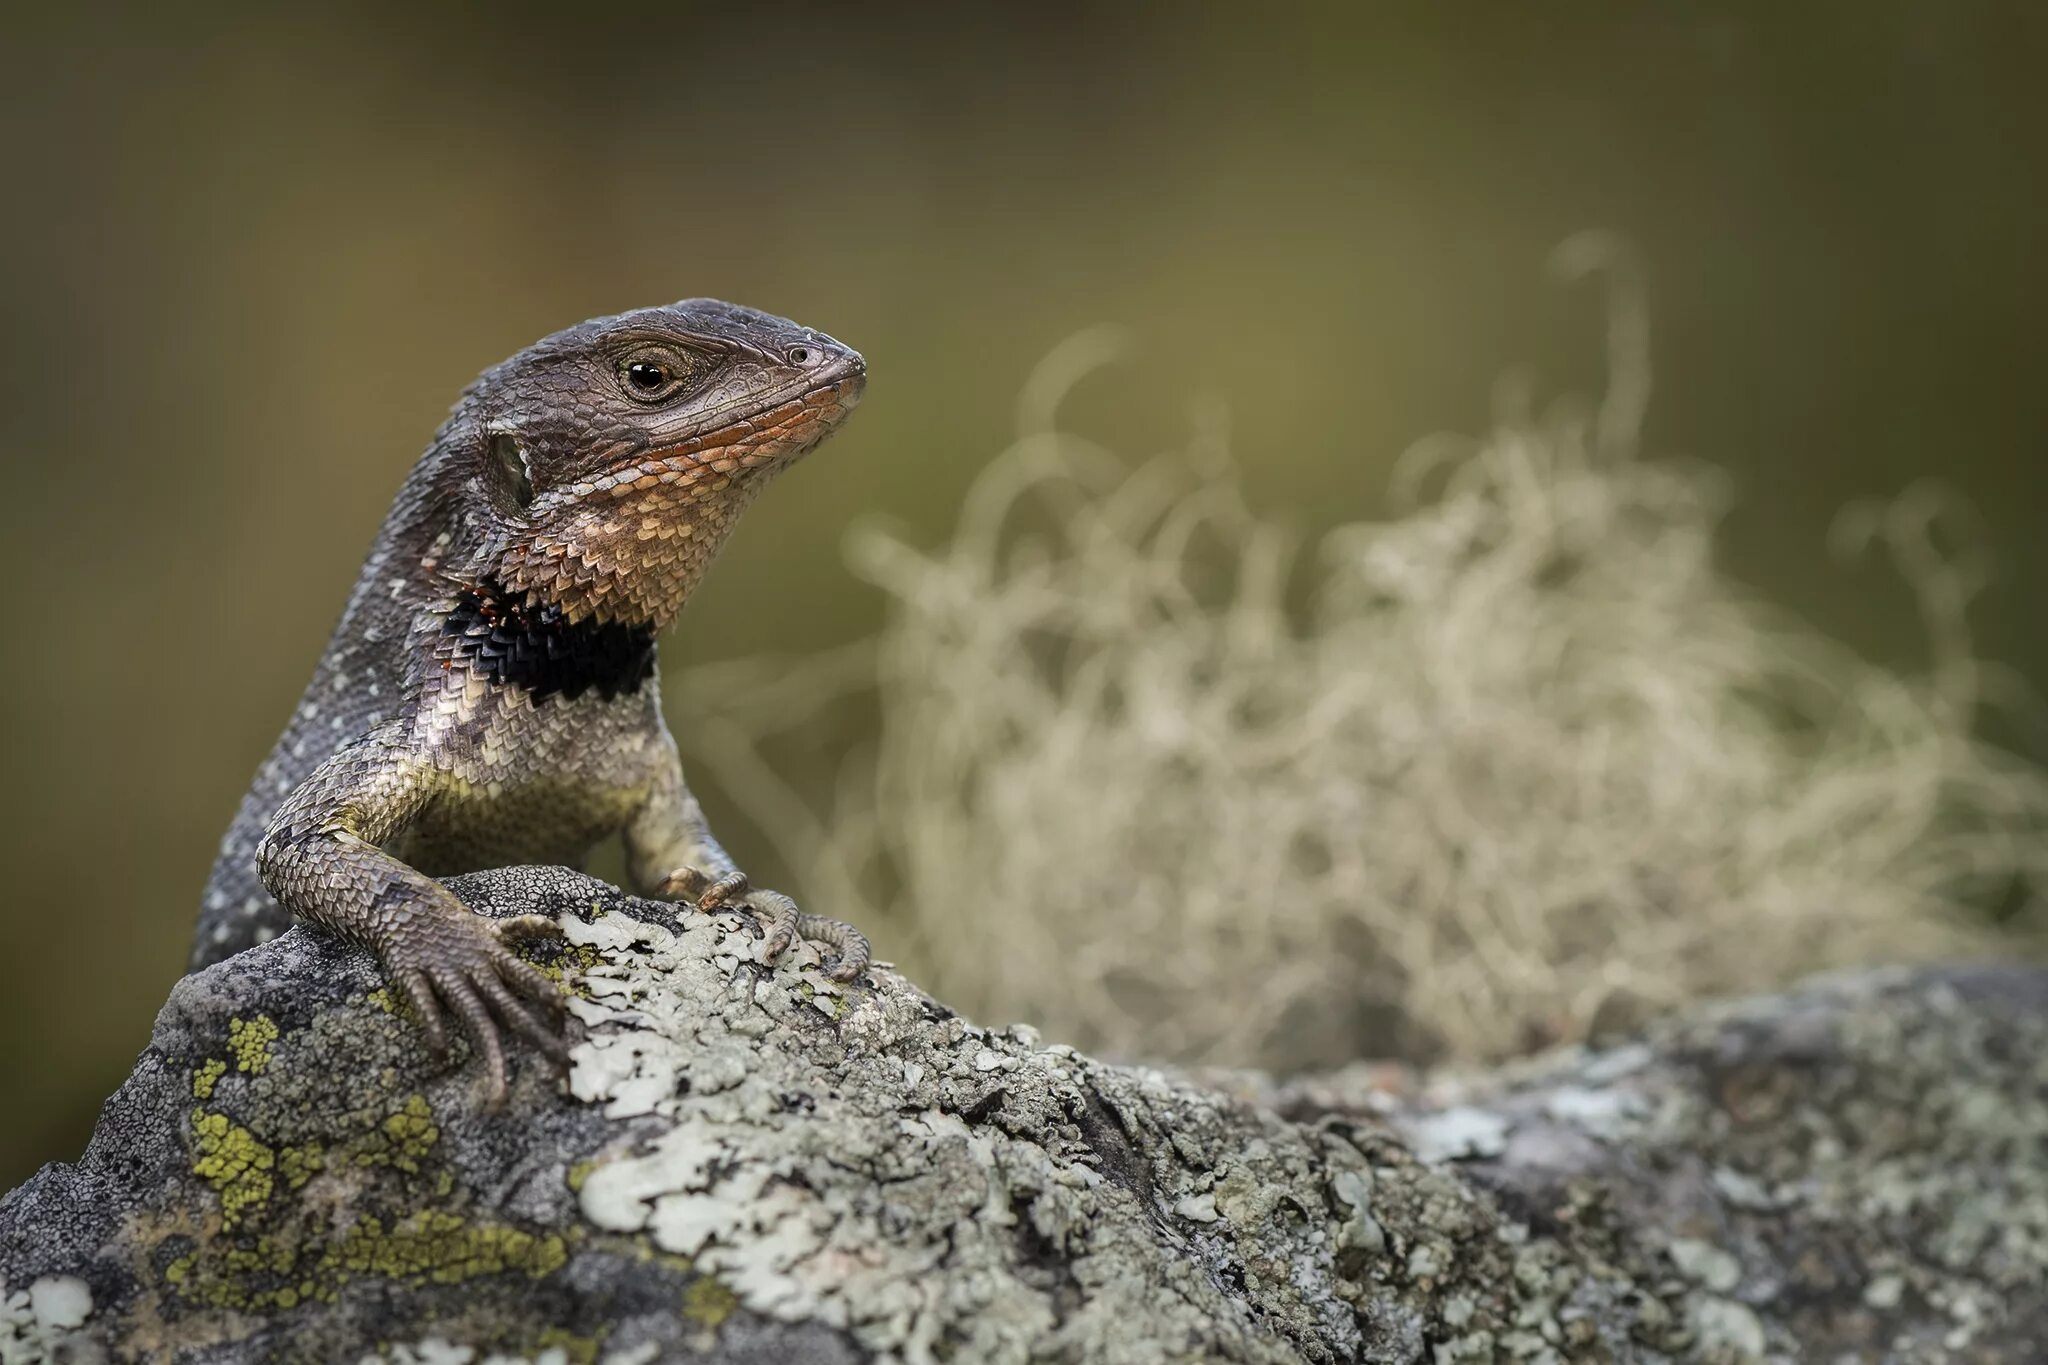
[[671, 854], [321, 858]]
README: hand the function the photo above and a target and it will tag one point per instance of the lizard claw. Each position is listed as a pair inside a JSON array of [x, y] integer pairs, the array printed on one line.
[[781, 922], [854, 951], [465, 966], [730, 888], [778, 916], [701, 888]]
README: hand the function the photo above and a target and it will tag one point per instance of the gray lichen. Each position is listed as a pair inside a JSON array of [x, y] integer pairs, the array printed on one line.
[[943, 1190], [757, 1164]]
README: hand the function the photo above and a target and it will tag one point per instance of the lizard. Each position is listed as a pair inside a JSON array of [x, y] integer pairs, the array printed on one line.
[[490, 694]]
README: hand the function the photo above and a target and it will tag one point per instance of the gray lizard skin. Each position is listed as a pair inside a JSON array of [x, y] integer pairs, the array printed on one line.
[[490, 697]]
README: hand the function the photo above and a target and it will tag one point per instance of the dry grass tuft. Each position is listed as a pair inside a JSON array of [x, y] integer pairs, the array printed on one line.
[[1528, 763]]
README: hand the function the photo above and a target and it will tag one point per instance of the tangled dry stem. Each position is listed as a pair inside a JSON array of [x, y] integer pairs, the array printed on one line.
[[1529, 762]]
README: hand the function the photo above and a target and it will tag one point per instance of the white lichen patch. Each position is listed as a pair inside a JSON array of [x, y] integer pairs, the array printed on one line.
[[41, 1323], [1705, 1264], [437, 1351], [1728, 1330], [935, 1189], [1457, 1133]]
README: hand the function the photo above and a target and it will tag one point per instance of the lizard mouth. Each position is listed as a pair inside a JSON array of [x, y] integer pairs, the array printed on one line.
[[750, 436], [771, 433]]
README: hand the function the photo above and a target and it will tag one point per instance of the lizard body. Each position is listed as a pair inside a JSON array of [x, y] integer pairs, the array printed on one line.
[[490, 695]]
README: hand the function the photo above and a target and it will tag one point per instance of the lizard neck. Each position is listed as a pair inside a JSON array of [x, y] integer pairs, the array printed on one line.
[[506, 638]]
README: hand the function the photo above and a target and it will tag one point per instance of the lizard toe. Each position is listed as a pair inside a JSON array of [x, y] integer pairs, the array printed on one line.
[[685, 883], [426, 1007], [778, 917], [522, 929], [531, 982], [522, 1021], [466, 1000], [851, 944], [725, 891]]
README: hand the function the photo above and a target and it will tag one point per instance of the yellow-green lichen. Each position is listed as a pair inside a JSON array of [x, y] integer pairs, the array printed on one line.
[[250, 1040], [204, 1078], [435, 1246], [244, 1170], [268, 1256], [579, 1171], [444, 1248], [268, 1253], [647, 1253], [231, 1159], [297, 1164], [569, 966], [403, 1140], [831, 1006], [381, 999], [708, 1303], [579, 1350]]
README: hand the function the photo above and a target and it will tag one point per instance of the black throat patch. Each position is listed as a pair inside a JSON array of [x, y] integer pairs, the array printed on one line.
[[496, 634]]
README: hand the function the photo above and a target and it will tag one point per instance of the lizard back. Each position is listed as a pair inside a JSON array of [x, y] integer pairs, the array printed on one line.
[[359, 682]]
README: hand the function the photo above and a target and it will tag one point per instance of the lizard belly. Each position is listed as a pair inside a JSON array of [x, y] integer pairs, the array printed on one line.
[[472, 826]]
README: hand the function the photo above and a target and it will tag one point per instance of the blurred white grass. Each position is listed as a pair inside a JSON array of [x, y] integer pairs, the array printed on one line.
[[1527, 758]]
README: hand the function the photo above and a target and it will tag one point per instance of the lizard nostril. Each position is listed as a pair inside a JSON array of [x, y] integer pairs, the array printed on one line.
[[801, 355]]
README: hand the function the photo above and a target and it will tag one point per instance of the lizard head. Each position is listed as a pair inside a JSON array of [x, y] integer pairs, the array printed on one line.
[[604, 465]]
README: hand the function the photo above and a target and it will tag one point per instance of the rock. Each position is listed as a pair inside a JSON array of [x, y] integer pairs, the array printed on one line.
[[757, 1165]]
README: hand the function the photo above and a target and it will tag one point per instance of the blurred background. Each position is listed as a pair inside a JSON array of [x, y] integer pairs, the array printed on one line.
[[250, 258]]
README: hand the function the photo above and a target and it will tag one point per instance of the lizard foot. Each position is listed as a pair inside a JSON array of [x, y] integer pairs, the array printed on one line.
[[463, 964], [777, 915]]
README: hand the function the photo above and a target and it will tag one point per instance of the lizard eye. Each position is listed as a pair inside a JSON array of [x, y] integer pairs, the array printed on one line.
[[651, 375]]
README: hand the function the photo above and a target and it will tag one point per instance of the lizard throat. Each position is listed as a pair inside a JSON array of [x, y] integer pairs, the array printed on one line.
[[506, 639], [631, 543]]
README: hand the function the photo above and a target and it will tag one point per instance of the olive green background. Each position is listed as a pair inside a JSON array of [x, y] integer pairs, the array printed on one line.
[[249, 259]]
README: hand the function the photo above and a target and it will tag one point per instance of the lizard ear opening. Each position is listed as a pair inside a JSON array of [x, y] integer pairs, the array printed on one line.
[[511, 478]]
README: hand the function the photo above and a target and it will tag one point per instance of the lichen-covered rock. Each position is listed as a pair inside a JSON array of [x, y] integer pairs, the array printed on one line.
[[750, 1164]]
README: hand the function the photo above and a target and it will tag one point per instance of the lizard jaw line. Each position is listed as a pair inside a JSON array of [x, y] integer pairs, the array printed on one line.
[[771, 434]]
